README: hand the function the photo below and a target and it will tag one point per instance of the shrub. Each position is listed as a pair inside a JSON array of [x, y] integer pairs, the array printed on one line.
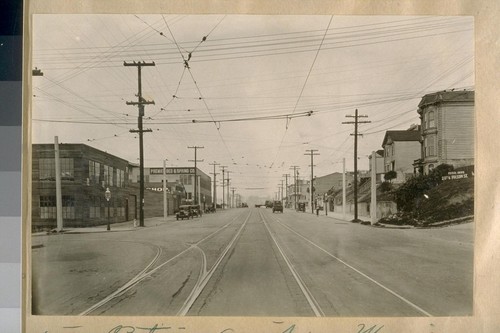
[[390, 175], [410, 194], [385, 187]]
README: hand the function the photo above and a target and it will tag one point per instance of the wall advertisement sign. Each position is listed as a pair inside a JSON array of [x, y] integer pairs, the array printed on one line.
[[171, 171]]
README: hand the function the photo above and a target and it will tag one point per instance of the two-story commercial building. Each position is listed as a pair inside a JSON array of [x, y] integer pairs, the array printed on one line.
[[183, 176], [86, 173], [447, 129]]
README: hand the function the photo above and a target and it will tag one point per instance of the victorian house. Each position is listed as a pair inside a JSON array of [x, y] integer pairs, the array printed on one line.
[[447, 128]]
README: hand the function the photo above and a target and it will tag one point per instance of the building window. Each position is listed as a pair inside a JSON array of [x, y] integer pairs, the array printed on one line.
[[94, 172], [186, 179], [48, 207], [47, 169], [108, 175], [430, 120], [95, 208], [120, 178], [430, 145], [68, 209]]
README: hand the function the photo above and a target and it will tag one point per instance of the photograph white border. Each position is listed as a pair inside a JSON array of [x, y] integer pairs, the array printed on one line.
[[486, 316]]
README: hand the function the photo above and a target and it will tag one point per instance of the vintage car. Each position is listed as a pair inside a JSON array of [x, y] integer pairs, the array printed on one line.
[[184, 212], [277, 206], [195, 210]]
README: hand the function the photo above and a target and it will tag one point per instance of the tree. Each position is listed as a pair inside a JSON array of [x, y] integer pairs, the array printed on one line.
[[390, 175]]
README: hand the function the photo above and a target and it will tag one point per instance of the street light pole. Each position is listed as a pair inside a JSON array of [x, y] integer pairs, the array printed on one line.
[[107, 195]]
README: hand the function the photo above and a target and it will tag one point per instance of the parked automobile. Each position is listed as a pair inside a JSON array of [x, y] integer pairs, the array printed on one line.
[[184, 212], [277, 206], [301, 207], [195, 210]]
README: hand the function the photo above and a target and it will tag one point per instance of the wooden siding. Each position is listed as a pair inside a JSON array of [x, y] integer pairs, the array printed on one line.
[[456, 132]]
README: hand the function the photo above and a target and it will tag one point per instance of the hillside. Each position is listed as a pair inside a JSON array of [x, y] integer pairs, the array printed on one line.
[[450, 199]]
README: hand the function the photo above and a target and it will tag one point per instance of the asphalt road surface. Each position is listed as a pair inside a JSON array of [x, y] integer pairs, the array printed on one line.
[[251, 262]]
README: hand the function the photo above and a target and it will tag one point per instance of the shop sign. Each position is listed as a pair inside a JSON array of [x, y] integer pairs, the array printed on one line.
[[171, 171], [157, 189], [452, 175]]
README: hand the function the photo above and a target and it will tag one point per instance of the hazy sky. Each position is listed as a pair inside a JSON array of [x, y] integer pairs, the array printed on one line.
[[242, 70]]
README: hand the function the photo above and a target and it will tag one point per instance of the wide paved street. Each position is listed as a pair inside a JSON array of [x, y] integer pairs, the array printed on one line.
[[251, 262]]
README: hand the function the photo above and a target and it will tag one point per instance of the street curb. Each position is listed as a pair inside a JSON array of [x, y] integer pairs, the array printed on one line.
[[459, 220]]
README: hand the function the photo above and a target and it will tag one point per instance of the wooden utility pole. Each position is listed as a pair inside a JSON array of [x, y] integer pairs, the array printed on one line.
[[295, 167], [232, 200], [140, 103], [195, 172], [228, 195], [214, 198], [286, 188], [311, 187], [356, 122], [223, 184]]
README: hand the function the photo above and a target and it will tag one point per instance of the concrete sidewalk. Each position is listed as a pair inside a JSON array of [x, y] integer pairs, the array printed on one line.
[[114, 227], [336, 215], [366, 220]]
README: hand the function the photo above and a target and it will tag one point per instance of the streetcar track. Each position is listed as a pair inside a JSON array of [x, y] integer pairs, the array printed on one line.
[[416, 307], [147, 271], [197, 290], [123, 288], [313, 303]]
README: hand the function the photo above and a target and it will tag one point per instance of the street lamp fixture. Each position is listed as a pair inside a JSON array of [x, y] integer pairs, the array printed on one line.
[[107, 195]]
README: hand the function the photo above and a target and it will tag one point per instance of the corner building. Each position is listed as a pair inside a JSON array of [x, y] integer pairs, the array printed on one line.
[[86, 172]]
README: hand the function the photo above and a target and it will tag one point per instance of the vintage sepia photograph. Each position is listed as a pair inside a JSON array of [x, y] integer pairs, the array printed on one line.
[[252, 165]]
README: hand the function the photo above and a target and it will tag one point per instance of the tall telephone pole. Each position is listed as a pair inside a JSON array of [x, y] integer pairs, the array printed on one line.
[[295, 167], [214, 198], [195, 172], [140, 103], [356, 122], [282, 192], [228, 195], [223, 184], [311, 188], [233, 203], [286, 188]]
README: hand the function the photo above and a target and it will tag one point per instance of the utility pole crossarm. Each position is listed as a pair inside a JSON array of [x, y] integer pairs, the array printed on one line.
[[355, 134], [140, 103]]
